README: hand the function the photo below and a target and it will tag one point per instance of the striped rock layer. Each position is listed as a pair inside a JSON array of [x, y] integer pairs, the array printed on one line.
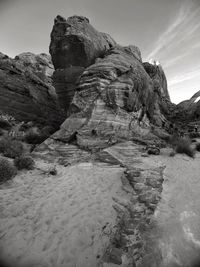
[[105, 88]]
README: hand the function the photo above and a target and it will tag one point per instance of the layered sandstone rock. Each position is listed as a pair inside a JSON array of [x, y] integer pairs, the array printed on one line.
[[105, 88], [26, 90], [75, 45]]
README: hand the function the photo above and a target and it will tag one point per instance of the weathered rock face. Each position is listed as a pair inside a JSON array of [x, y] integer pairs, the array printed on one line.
[[109, 98], [106, 89], [158, 76], [192, 107], [75, 45], [26, 91]]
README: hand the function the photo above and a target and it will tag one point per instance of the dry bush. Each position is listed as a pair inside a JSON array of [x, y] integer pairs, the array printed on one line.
[[7, 170], [198, 147], [24, 162], [183, 146], [11, 148], [172, 153]]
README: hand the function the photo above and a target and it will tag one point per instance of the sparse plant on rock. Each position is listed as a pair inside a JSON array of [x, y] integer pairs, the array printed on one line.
[[7, 170], [24, 162]]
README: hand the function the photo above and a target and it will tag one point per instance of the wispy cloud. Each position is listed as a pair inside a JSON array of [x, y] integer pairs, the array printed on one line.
[[177, 48], [186, 24], [185, 77]]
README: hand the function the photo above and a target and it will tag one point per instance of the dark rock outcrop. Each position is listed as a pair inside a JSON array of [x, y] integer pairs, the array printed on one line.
[[26, 90]]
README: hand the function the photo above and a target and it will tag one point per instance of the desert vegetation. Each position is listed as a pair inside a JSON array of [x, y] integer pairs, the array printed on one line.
[[181, 146], [24, 162], [11, 148], [7, 170]]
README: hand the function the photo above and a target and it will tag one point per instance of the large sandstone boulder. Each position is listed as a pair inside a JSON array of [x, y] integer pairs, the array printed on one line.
[[26, 90], [75, 45], [105, 88]]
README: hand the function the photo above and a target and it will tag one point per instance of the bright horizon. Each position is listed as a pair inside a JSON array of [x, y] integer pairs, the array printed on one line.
[[164, 30]]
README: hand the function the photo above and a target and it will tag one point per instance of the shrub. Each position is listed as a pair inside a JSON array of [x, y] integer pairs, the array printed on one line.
[[4, 124], [198, 147], [32, 137], [7, 170], [194, 135], [183, 147], [53, 171], [11, 148], [24, 162], [1, 132], [172, 153]]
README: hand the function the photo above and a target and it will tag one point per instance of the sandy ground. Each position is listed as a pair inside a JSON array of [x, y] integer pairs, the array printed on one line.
[[61, 220], [67, 219], [178, 214]]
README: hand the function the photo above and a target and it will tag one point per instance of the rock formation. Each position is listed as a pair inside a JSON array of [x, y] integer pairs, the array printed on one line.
[[75, 45], [191, 107], [104, 87], [26, 90]]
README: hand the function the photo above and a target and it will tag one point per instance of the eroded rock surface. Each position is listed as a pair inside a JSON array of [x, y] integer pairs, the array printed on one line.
[[75, 45], [26, 90], [105, 89]]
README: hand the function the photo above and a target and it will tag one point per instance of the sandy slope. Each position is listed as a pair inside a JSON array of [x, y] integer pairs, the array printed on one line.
[[58, 220], [178, 214]]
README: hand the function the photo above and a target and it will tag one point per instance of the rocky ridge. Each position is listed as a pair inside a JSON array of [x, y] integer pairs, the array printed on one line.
[[26, 90]]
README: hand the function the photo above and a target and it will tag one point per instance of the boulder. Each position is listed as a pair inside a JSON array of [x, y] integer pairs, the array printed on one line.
[[75, 45]]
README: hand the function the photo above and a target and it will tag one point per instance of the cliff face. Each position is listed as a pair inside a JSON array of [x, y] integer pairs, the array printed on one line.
[[105, 88], [26, 90], [75, 45]]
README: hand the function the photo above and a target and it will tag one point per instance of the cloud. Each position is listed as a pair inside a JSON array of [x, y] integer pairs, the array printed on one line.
[[185, 25], [185, 77]]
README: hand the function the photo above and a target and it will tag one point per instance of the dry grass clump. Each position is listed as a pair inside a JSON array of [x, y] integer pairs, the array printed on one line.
[[7, 170], [24, 162], [11, 148], [183, 146]]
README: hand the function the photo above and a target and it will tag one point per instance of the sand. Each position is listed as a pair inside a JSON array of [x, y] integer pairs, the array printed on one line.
[[62, 220]]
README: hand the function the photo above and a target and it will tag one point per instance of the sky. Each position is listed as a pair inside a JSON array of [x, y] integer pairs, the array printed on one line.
[[164, 30]]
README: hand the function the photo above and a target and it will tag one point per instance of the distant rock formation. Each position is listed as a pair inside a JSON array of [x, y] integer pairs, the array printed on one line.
[[191, 106], [105, 88], [26, 90]]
